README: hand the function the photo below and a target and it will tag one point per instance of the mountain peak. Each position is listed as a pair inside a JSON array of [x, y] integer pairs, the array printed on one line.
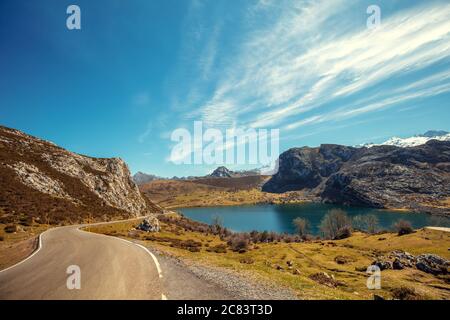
[[414, 141], [222, 172]]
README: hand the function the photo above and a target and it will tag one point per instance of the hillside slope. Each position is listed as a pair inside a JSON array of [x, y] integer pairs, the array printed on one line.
[[43, 181], [416, 178]]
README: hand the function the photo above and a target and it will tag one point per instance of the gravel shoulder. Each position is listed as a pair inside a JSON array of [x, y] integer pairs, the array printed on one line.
[[204, 282]]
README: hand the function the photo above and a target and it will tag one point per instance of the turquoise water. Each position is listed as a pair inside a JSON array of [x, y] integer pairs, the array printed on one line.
[[279, 218]]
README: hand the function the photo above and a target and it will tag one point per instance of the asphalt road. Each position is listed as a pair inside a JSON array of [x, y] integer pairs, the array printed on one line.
[[110, 268]]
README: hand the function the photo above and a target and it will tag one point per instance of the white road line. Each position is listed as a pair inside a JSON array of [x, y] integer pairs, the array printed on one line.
[[158, 267], [29, 257]]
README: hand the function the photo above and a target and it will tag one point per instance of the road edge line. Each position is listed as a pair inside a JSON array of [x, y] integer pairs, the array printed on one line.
[[30, 256]]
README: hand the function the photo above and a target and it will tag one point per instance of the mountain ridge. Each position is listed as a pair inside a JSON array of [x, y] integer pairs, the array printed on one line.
[[413, 141], [39, 178], [414, 178]]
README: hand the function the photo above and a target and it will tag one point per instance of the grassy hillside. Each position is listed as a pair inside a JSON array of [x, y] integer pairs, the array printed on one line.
[[214, 192], [299, 265]]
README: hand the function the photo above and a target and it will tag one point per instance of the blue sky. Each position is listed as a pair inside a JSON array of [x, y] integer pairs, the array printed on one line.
[[138, 70]]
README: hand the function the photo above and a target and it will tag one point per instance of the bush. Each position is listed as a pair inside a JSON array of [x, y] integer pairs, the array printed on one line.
[[10, 228], [343, 233], [238, 242], [221, 248], [302, 226], [404, 293], [403, 227], [333, 222]]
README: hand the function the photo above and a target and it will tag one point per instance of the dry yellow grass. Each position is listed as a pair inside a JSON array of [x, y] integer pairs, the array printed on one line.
[[15, 247], [310, 258]]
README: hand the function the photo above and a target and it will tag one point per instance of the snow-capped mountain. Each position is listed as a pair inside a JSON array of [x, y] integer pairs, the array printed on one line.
[[413, 141]]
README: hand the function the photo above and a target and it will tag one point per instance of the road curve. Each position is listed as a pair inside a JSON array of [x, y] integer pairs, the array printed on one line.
[[110, 269]]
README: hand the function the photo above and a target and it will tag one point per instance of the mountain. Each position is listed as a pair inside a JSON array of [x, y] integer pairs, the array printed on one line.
[[223, 172], [416, 178], [141, 178], [41, 180], [414, 141]]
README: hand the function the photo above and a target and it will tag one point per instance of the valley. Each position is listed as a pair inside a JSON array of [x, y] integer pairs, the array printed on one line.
[[47, 188]]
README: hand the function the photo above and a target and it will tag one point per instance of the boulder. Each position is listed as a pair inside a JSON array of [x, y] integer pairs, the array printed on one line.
[[398, 265], [150, 224], [382, 264]]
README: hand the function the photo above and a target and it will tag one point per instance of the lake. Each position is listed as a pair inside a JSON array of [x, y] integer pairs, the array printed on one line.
[[279, 218]]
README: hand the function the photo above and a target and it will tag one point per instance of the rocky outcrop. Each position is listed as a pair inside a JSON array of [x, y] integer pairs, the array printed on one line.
[[417, 178], [150, 224], [399, 260], [39, 178], [308, 168]]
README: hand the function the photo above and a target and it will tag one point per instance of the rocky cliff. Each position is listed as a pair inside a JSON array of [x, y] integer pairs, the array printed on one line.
[[40, 179], [416, 178]]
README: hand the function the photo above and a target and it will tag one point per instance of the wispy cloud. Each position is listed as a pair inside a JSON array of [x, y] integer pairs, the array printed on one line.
[[306, 57]]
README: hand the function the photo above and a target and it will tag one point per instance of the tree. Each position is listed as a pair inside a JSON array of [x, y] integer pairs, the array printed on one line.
[[333, 222], [302, 226], [367, 223], [403, 227], [217, 223], [371, 222]]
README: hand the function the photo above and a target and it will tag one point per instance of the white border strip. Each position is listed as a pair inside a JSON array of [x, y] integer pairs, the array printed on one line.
[[30, 256]]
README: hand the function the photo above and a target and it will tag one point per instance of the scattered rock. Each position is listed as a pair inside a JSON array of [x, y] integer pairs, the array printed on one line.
[[296, 272], [325, 279], [398, 265], [289, 263], [382, 264], [433, 264], [278, 267]]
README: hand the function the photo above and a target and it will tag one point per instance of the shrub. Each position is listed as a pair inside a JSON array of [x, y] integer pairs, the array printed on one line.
[[238, 242], [302, 226], [404, 293], [344, 232], [10, 228], [247, 260], [217, 224], [403, 227], [221, 248], [333, 222]]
